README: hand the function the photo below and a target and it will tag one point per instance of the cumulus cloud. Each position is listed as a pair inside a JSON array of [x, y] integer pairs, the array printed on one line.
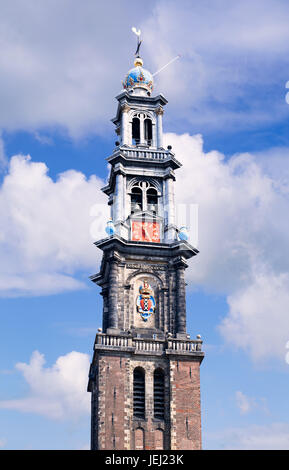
[[273, 436], [3, 158], [57, 392], [246, 404], [228, 74], [59, 63], [243, 235], [45, 228], [243, 402], [258, 319], [65, 59]]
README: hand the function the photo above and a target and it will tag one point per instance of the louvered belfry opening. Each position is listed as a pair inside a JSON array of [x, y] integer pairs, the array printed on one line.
[[136, 131], [139, 393], [148, 131], [159, 394]]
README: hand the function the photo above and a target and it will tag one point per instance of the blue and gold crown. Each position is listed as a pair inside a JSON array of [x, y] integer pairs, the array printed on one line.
[[138, 77]]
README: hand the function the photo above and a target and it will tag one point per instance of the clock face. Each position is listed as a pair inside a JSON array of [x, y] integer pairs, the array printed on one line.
[[145, 231]]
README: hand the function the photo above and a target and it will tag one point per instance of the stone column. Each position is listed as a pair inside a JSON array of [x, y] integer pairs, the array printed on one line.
[[118, 198], [113, 294], [141, 129], [104, 294], [181, 298], [159, 113], [154, 132], [170, 200], [125, 125], [144, 196], [170, 208]]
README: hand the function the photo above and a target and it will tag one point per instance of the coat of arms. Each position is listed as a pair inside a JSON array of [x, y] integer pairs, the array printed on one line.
[[145, 301]]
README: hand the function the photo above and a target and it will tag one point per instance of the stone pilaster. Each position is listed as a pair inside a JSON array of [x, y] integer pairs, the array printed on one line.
[[181, 297], [159, 113], [113, 293], [125, 125]]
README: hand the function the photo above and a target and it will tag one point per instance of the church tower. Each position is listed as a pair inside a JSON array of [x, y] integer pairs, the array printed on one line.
[[144, 376]]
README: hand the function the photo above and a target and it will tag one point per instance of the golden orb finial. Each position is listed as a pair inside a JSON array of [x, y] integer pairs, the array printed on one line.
[[138, 62]]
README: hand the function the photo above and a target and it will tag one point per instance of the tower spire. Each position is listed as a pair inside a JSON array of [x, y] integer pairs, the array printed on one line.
[[137, 32], [144, 375], [138, 80]]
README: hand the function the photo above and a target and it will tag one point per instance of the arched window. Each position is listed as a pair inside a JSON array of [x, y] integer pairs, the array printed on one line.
[[139, 393], [136, 199], [152, 200], [148, 131], [159, 439], [136, 131], [159, 394], [139, 439], [144, 196]]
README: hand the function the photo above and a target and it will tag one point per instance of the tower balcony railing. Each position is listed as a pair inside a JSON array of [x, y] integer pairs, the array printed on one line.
[[146, 345], [145, 153], [184, 346], [112, 340]]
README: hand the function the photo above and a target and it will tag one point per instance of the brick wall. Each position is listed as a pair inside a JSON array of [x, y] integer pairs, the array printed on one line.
[[185, 405], [112, 402], [115, 426]]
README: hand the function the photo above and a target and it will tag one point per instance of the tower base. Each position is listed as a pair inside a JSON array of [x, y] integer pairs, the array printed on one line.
[[114, 426]]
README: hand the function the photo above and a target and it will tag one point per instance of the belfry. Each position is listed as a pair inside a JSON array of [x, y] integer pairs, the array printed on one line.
[[144, 377]]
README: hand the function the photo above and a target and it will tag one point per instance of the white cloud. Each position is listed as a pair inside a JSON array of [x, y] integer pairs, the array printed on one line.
[[3, 158], [274, 436], [57, 392], [258, 319], [43, 139], [234, 57], [243, 238], [45, 227], [61, 62], [240, 210], [244, 403]]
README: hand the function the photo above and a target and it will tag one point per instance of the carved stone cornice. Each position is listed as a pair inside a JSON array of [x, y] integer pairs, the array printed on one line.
[[114, 257], [125, 108], [179, 262], [160, 111]]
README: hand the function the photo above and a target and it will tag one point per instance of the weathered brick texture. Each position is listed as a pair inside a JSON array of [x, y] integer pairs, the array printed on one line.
[[113, 423], [111, 396], [185, 405]]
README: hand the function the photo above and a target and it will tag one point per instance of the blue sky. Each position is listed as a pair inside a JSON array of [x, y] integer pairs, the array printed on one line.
[[61, 65]]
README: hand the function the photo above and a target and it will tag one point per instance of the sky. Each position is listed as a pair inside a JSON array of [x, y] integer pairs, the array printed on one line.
[[227, 118]]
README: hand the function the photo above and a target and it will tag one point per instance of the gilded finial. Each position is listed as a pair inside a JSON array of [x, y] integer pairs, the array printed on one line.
[[138, 60]]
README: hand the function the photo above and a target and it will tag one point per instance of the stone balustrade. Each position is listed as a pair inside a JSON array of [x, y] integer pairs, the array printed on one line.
[[145, 153], [113, 340], [145, 345], [148, 345], [186, 346]]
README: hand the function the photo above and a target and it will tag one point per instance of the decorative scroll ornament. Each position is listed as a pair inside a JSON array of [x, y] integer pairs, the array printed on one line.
[[146, 303]]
